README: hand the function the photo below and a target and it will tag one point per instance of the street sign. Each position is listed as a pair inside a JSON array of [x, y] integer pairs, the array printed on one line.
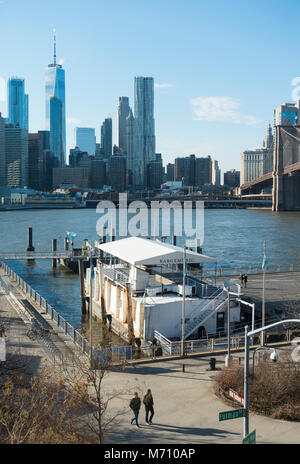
[[228, 415], [236, 397], [250, 439]]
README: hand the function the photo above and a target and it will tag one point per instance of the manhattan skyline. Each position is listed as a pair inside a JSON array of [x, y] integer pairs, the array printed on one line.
[[214, 94]]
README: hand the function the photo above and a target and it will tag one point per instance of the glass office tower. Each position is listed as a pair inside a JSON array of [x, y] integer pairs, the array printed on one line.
[[56, 131], [17, 103], [55, 87]]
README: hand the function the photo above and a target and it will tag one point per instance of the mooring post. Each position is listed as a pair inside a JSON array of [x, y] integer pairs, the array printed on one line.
[[82, 287], [54, 248], [30, 246]]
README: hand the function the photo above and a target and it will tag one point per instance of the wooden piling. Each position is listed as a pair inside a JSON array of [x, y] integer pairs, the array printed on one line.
[[82, 286], [54, 249]]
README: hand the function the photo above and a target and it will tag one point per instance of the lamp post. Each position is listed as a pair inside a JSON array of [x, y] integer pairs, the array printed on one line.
[[183, 303], [228, 356], [246, 365], [276, 355], [252, 305]]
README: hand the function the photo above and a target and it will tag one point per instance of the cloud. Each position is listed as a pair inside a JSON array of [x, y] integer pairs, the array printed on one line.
[[61, 61], [163, 86], [221, 109]]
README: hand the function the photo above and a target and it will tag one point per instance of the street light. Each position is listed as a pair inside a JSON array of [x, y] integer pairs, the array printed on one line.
[[274, 355], [229, 293], [246, 365], [252, 305]]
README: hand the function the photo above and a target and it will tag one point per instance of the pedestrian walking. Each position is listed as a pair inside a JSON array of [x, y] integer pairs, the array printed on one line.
[[245, 280], [148, 402], [135, 405]]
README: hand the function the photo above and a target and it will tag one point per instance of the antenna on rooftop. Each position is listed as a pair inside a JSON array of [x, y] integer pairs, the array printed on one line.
[[54, 56]]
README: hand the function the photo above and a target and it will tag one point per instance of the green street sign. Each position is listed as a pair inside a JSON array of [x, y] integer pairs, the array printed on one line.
[[228, 415], [250, 439]]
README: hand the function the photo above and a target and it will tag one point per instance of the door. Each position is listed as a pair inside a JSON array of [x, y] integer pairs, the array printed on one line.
[[220, 323]]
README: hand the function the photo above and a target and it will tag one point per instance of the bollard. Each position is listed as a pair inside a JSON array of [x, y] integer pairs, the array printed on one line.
[[30, 247], [183, 367], [54, 248], [212, 364]]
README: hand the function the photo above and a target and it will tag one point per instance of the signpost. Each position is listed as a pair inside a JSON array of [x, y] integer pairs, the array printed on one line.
[[236, 397], [250, 439], [228, 415]]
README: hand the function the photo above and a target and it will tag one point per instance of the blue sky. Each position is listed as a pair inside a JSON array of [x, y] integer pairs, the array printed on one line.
[[220, 66]]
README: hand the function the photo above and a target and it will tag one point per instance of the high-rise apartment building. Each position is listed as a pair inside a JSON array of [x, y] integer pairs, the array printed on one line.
[[145, 128], [106, 138], [55, 87], [123, 113], [203, 171], [16, 156], [17, 103], [86, 139], [216, 174]]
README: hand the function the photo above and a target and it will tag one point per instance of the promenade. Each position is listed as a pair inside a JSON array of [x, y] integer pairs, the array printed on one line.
[[187, 410]]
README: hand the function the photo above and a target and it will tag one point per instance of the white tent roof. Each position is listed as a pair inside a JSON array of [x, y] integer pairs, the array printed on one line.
[[143, 252]]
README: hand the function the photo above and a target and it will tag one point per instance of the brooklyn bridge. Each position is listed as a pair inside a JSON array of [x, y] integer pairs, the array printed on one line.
[[285, 177]]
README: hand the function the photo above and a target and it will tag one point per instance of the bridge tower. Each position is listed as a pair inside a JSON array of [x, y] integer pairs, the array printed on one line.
[[286, 169]]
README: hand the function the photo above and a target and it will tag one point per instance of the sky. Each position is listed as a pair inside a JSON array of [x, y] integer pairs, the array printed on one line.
[[220, 67]]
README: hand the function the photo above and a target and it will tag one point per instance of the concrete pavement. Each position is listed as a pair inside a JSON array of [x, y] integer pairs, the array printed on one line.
[[187, 410]]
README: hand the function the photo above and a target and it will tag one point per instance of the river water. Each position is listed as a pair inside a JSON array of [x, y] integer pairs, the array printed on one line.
[[235, 237]]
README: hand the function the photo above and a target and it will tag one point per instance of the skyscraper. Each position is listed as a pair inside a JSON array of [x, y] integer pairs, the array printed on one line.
[[145, 129], [86, 139], [106, 137], [16, 156], [130, 144], [55, 87], [216, 173], [17, 103], [56, 130], [123, 113], [2, 153]]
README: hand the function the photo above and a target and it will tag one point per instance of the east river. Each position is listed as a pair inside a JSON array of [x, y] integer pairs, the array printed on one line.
[[235, 237]]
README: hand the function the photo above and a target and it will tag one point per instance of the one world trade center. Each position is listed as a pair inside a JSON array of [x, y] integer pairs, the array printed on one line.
[[56, 109]]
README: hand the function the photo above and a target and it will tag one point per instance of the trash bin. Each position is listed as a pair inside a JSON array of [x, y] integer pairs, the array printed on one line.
[[212, 364]]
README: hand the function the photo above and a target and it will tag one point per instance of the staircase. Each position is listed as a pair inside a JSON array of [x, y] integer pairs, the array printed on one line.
[[199, 318]]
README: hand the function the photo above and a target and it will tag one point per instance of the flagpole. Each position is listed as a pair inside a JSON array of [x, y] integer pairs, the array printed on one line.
[[183, 303], [262, 340]]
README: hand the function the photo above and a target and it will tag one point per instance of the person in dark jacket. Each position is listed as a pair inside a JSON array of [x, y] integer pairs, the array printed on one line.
[[245, 280], [135, 405], [148, 402]]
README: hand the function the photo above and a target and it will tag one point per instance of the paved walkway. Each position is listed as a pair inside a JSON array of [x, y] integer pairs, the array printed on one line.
[[186, 409]]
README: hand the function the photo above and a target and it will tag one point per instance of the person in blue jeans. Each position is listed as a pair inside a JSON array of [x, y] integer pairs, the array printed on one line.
[[135, 405], [148, 402]]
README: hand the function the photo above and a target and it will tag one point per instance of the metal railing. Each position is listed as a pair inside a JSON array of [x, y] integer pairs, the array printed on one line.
[[236, 271], [81, 342]]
